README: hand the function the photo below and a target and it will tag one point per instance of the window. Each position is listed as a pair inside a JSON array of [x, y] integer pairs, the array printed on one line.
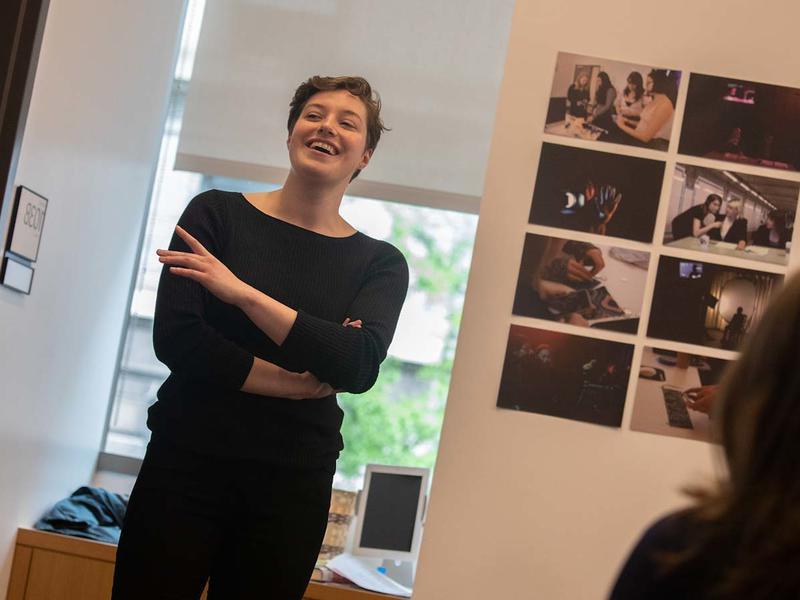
[[398, 421]]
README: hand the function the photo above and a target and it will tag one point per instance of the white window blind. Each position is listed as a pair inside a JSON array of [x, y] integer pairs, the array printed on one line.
[[436, 63]]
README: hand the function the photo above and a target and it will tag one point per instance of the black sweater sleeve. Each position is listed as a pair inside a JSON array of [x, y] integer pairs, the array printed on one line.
[[349, 358], [738, 231], [182, 338]]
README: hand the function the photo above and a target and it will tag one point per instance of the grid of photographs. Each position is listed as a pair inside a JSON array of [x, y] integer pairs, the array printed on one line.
[[593, 257]]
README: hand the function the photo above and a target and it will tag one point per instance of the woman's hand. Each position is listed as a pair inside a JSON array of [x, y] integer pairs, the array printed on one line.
[[312, 388], [575, 319], [201, 266], [576, 271], [702, 398], [549, 290], [594, 260]]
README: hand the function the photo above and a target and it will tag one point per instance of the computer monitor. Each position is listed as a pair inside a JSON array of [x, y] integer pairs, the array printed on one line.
[[690, 270], [390, 512]]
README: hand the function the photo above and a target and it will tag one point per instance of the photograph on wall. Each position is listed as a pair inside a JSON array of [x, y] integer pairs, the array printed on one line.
[[742, 121], [730, 213], [708, 304], [597, 192], [563, 375], [675, 393], [580, 283], [612, 101]]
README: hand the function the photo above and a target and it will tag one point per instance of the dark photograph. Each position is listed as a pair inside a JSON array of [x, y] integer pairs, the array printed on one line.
[[583, 284], [742, 121], [730, 213], [596, 192], [675, 393], [612, 101], [708, 304], [563, 375]]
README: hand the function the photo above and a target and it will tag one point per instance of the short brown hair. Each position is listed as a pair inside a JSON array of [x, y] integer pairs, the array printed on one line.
[[358, 86]]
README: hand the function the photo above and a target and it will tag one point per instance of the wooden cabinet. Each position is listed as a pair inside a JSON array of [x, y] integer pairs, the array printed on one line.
[[48, 566]]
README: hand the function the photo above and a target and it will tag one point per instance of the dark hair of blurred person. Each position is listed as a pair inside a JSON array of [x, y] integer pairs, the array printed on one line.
[[741, 537]]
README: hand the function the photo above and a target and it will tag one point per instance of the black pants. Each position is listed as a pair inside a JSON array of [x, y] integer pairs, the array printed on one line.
[[253, 530]]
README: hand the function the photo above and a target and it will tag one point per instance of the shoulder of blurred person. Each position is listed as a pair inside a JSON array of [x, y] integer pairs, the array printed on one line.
[[648, 573], [741, 538]]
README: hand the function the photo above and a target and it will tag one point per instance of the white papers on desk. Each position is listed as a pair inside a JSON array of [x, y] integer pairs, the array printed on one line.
[[367, 577], [757, 250]]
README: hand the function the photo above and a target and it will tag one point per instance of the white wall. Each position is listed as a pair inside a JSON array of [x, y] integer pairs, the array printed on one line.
[[90, 145], [524, 505]]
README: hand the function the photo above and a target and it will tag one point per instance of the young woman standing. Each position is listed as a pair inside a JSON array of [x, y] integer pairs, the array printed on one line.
[[268, 304]]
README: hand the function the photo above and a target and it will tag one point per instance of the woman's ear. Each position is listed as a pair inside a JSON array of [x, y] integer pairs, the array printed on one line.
[[365, 158]]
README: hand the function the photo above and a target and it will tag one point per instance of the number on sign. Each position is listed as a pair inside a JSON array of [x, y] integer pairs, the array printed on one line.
[[33, 216]]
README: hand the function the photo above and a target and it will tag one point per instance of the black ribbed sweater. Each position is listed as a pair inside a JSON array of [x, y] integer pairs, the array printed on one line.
[[209, 346]]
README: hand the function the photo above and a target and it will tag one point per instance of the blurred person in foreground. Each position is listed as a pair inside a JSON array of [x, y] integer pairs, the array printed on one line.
[[741, 537]]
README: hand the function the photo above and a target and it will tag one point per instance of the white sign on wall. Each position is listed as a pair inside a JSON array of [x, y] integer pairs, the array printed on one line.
[[27, 223]]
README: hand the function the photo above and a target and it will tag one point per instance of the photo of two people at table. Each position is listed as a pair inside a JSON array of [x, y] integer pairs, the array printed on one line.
[[612, 101], [749, 213]]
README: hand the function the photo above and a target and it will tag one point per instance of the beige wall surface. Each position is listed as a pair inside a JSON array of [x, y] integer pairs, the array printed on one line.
[[91, 140], [529, 506]]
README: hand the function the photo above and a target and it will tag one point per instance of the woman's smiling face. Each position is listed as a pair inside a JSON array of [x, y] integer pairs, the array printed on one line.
[[329, 139]]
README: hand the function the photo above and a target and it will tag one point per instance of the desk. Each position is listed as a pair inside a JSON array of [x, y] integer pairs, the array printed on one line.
[[759, 253], [572, 128], [336, 591], [49, 566], [649, 412]]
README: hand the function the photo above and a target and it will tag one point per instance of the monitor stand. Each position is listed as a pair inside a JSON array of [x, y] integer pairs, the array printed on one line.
[[401, 571]]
